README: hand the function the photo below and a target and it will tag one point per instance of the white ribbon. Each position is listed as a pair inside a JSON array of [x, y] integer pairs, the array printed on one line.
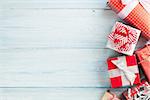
[[125, 1], [121, 64], [131, 4]]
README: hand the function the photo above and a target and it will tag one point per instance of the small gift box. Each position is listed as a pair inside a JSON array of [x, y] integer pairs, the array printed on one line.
[[144, 58], [123, 71], [140, 92], [123, 38], [134, 12], [109, 96]]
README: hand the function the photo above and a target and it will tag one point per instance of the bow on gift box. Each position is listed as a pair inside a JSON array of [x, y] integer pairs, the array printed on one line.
[[121, 64], [131, 4], [141, 93], [123, 37]]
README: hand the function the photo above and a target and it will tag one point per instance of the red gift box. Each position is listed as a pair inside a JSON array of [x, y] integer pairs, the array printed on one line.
[[140, 92], [144, 58], [123, 71], [135, 12]]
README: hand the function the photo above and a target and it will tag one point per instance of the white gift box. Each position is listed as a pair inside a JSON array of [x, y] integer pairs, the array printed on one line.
[[123, 38]]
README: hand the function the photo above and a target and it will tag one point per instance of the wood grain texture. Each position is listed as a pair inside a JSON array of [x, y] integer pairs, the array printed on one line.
[[40, 4], [54, 93], [55, 28], [51, 94], [50, 67], [54, 49]]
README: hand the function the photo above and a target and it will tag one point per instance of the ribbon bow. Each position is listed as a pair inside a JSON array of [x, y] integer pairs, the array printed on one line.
[[143, 93], [123, 37], [144, 3], [121, 64]]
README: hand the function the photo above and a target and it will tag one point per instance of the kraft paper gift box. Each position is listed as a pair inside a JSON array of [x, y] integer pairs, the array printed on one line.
[[109, 96], [144, 58], [140, 92], [123, 38], [123, 71], [134, 12]]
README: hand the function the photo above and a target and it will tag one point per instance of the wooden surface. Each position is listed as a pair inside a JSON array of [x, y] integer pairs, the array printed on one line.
[[54, 49]]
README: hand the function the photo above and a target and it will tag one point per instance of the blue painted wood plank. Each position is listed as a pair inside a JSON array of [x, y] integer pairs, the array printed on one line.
[[54, 49], [53, 93], [15, 4], [59, 28]]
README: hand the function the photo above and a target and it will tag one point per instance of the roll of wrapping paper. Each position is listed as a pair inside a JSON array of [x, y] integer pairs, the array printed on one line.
[[138, 17]]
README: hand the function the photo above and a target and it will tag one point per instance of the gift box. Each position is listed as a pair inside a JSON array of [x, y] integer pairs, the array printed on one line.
[[123, 38], [109, 96], [134, 12], [144, 58], [123, 71], [140, 92]]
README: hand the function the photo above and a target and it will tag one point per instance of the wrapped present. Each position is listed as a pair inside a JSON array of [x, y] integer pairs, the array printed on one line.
[[123, 71], [144, 58], [109, 96], [123, 38], [140, 92], [134, 12]]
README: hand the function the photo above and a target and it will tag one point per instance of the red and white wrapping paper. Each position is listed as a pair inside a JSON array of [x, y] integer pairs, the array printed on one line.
[[140, 92], [144, 58], [123, 71], [135, 12], [123, 38]]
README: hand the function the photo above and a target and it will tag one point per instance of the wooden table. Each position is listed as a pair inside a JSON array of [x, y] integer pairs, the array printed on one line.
[[54, 49]]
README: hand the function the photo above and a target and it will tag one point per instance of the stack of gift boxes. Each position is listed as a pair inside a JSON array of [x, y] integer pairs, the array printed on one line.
[[124, 70]]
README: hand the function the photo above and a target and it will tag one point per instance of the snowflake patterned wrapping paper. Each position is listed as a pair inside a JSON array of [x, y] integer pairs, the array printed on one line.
[[123, 38], [134, 12], [123, 71], [140, 92], [144, 58]]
